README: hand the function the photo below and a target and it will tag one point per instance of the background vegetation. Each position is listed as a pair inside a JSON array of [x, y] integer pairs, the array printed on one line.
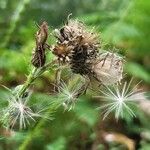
[[123, 24]]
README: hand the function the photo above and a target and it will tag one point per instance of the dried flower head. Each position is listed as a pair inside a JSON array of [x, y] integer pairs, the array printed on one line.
[[119, 98], [38, 58], [108, 68], [76, 33], [77, 45]]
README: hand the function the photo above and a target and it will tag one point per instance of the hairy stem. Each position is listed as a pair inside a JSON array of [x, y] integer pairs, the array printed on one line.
[[36, 72], [38, 130]]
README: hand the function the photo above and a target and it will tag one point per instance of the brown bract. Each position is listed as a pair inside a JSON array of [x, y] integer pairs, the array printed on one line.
[[42, 34], [38, 58]]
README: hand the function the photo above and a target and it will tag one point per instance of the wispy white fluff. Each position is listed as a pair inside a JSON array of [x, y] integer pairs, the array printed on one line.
[[68, 94], [119, 98], [18, 113]]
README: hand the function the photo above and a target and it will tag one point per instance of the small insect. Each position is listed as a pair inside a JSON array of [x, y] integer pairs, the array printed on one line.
[[38, 58]]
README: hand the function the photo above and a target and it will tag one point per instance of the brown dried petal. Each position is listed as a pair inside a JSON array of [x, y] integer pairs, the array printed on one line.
[[38, 58], [75, 35]]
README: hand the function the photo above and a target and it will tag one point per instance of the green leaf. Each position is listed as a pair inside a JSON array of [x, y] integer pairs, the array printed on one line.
[[138, 71]]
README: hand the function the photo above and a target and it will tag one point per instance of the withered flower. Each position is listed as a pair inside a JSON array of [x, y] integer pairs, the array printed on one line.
[[38, 58], [76, 45], [79, 47]]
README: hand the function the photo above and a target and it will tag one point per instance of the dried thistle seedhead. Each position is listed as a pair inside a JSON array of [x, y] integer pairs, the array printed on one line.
[[62, 50], [76, 32], [38, 58], [108, 68], [79, 47], [77, 44]]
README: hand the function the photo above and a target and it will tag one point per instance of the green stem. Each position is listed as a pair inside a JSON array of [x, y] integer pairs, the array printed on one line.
[[36, 72], [28, 82], [37, 131]]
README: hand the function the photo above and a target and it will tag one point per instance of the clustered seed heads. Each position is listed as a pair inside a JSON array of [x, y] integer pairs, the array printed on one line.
[[80, 49]]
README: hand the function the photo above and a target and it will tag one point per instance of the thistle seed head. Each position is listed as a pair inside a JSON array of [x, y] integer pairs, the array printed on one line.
[[76, 33], [78, 44], [119, 98], [108, 68], [18, 113]]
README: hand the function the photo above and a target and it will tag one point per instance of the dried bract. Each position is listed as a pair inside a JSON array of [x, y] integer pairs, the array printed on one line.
[[38, 59]]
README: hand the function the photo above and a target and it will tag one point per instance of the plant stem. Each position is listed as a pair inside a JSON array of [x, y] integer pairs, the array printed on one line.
[[36, 72], [28, 82], [37, 131]]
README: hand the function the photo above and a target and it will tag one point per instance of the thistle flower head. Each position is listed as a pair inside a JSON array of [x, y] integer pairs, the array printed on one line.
[[119, 98], [18, 113], [77, 45], [108, 68], [80, 46]]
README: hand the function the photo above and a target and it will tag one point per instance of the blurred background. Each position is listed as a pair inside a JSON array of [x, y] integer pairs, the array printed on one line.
[[123, 25]]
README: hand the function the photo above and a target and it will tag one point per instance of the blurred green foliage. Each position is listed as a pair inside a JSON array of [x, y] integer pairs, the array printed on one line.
[[122, 24]]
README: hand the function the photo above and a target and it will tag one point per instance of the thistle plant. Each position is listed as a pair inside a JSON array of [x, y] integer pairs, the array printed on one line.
[[79, 50]]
